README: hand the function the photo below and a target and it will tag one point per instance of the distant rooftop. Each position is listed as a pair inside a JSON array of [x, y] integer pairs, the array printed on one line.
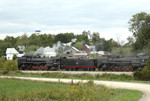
[[11, 51]]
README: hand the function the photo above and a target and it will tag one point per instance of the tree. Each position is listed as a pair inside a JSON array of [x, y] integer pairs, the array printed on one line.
[[103, 45], [130, 41], [113, 43], [34, 39], [79, 45], [31, 48], [140, 27], [23, 40], [11, 40], [95, 37], [3, 46], [46, 40], [64, 37], [82, 38]]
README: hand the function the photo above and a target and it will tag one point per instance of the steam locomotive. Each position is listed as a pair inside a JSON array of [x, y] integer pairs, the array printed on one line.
[[103, 63]]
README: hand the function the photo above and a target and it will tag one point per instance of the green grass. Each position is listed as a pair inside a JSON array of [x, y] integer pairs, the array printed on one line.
[[12, 90], [131, 95], [110, 77]]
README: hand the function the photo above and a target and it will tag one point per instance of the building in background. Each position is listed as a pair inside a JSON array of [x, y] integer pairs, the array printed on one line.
[[45, 52], [10, 53], [88, 48]]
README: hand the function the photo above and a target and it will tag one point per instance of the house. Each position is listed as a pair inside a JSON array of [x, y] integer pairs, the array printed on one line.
[[103, 53], [45, 52], [10, 53], [88, 48], [72, 51]]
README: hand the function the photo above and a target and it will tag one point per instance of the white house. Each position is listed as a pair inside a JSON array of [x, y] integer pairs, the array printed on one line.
[[46, 52], [72, 51], [10, 52]]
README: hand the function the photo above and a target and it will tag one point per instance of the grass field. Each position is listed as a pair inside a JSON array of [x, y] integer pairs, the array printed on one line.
[[109, 77], [13, 90]]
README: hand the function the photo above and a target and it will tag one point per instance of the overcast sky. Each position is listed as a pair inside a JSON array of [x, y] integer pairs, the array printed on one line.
[[108, 17]]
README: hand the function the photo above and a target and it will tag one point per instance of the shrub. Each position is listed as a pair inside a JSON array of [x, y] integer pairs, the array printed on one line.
[[10, 65], [2, 61], [144, 74], [137, 75]]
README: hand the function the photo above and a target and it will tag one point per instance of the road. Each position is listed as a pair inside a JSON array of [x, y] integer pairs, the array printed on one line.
[[80, 72], [145, 88]]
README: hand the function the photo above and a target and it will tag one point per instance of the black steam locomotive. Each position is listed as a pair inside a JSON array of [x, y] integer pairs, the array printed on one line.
[[104, 63], [119, 63], [37, 63]]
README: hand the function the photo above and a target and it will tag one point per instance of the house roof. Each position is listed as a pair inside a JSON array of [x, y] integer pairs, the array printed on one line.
[[75, 49], [46, 49], [11, 51]]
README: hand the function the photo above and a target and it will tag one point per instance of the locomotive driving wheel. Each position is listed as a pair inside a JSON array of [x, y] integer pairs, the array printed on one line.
[[130, 68]]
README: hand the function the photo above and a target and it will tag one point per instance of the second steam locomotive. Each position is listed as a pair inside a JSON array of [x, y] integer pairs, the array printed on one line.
[[103, 63]]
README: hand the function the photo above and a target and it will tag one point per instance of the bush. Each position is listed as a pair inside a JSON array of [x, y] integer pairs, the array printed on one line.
[[144, 74], [2, 61], [8, 65], [137, 75]]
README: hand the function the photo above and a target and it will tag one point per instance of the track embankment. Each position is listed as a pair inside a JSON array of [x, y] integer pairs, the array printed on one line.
[[80, 72], [145, 88]]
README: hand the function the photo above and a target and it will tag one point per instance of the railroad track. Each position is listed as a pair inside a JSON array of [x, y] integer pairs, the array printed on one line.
[[80, 72]]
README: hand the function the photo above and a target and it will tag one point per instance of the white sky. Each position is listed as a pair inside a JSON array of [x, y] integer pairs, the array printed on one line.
[[108, 17]]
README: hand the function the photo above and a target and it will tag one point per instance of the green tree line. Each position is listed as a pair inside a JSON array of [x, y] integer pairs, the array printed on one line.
[[37, 40]]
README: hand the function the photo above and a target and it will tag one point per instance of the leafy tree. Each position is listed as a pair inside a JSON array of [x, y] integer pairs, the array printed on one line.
[[1, 52], [140, 27], [113, 43], [82, 38], [105, 45], [130, 41], [99, 46], [3, 47], [79, 45], [34, 39], [31, 48], [8, 42], [64, 37], [11, 40], [51, 40], [23, 40], [95, 37], [46, 40]]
